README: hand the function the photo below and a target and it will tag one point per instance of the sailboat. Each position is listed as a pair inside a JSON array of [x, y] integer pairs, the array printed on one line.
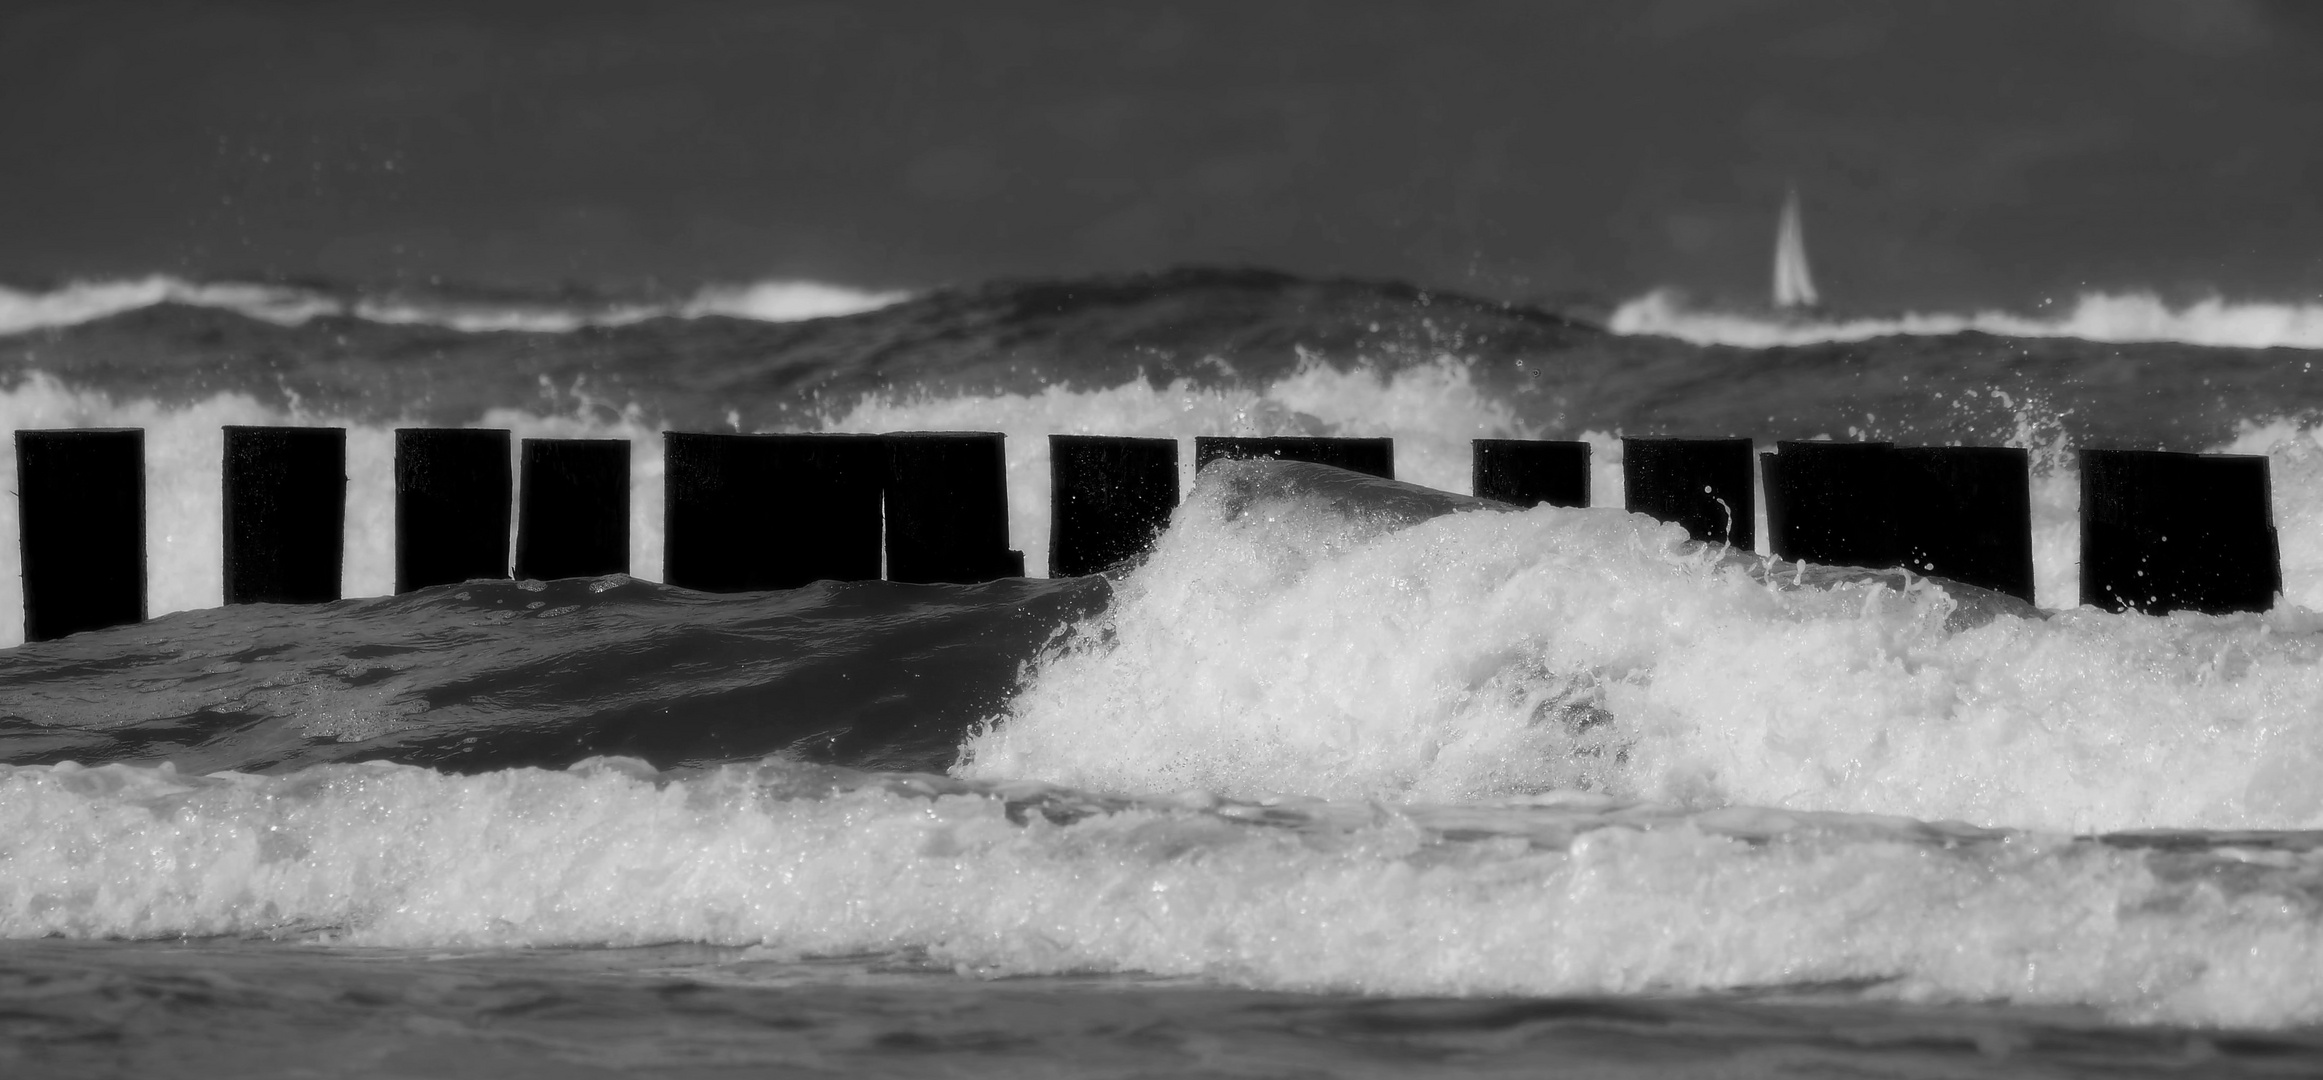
[[1794, 286]]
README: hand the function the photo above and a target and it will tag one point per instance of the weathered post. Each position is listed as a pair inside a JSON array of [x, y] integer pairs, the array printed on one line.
[[81, 515], [1831, 503], [2163, 532], [1528, 472], [751, 512], [1703, 485], [1108, 499], [285, 514], [1966, 513], [947, 508], [573, 520], [452, 503]]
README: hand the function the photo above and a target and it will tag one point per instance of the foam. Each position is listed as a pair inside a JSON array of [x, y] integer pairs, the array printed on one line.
[[1431, 409], [1277, 645], [1564, 897], [2096, 316]]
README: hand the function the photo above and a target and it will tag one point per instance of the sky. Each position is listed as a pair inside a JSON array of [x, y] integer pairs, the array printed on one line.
[[1945, 154]]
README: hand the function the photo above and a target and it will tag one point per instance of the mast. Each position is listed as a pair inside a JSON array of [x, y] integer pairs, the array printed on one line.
[[1794, 286]]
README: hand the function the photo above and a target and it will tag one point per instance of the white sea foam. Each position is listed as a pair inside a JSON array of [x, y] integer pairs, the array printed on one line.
[[1349, 898], [286, 305], [2112, 317], [1281, 647], [1432, 410]]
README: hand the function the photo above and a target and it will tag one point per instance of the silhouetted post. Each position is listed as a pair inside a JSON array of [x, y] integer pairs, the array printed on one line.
[[1832, 503], [573, 520], [1703, 485], [947, 508], [1966, 513], [1108, 498], [1374, 457], [286, 514], [452, 495], [751, 512], [1529, 472], [80, 503], [2163, 532]]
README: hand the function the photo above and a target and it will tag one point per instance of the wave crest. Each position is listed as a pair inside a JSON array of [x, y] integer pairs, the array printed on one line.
[[78, 302], [2106, 317], [1289, 638]]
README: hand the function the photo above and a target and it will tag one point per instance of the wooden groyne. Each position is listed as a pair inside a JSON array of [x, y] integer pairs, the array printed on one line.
[[2160, 532]]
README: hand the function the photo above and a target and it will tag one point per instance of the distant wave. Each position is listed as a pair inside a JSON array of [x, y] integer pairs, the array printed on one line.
[[2108, 317], [290, 305], [785, 301], [83, 301]]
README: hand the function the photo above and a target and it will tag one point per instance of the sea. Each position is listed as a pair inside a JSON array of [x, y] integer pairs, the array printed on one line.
[[1345, 777]]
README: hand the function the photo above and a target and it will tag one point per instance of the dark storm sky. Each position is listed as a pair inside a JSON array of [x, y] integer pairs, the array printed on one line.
[[1945, 153]]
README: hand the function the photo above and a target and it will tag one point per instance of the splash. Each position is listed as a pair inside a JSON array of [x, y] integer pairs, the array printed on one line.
[[284, 305], [2107, 317], [1294, 643], [1432, 410]]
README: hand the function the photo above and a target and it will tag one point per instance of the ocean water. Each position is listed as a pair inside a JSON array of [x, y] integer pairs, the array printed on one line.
[[1347, 777]]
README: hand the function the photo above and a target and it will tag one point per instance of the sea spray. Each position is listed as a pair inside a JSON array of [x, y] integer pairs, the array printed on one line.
[[1287, 638], [1432, 410]]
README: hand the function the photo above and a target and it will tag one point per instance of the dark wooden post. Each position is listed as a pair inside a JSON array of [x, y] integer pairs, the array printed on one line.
[[1704, 485], [750, 512], [1108, 498], [1529, 472], [574, 516], [2163, 532], [1831, 503], [81, 514], [452, 495], [286, 514], [1375, 457], [1966, 513], [947, 508]]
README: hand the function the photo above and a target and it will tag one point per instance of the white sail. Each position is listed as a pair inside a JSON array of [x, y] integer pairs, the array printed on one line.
[[1794, 286]]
